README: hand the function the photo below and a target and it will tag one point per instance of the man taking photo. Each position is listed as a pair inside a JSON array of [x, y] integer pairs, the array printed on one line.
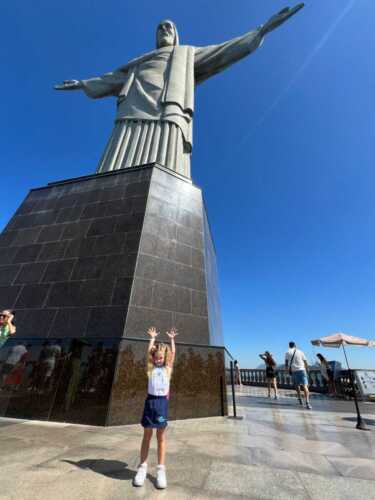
[[7, 328]]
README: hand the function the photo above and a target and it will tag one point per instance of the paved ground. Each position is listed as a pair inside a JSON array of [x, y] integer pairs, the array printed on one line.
[[278, 451]]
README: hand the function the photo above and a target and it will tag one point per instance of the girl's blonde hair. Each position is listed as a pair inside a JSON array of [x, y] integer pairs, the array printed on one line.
[[163, 349]]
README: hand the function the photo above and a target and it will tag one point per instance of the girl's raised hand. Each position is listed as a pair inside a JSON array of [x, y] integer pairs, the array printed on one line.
[[172, 333], [152, 332]]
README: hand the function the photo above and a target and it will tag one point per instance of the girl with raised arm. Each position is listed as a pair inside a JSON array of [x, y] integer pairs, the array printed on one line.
[[160, 359]]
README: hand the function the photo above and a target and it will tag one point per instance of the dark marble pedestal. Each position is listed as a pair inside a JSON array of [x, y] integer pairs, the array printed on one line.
[[94, 262]]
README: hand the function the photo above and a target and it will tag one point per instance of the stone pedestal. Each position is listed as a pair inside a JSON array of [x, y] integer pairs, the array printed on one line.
[[96, 261]]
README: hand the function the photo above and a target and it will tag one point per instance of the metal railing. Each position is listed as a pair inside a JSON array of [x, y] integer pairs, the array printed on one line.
[[257, 377]]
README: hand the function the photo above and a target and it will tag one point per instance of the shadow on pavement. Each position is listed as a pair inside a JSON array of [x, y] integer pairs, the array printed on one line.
[[109, 468], [368, 421]]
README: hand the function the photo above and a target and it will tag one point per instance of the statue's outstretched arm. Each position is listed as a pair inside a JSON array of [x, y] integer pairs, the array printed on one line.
[[109, 84], [213, 59], [68, 85], [280, 18]]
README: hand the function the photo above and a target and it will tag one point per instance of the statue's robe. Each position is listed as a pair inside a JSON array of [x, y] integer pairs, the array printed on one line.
[[155, 104]]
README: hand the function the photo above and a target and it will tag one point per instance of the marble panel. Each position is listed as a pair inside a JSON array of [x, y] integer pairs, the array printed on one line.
[[93, 211], [120, 265], [52, 251], [71, 322], [31, 273], [129, 222], [8, 295], [34, 322], [32, 296], [118, 207], [85, 382], [113, 194], [109, 244], [91, 196], [212, 280], [181, 253], [7, 255], [51, 233], [139, 205], [64, 294], [164, 297], [69, 214], [75, 230], [66, 380], [121, 292], [189, 236], [7, 238], [59, 270], [43, 205], [88, 268], [79, 247], [31, 385], [190, 277], [26, 207], [189, 220], [26, 236], [132, 241], [107, 321], [22, 221], [183, 299], [137, 188], [158, 269], [199, 303], [157, 247], [139, 320], [162, 208], [196, 385], [142, 292], [160, 226], [102, 225], [196, 327], [95, 293], [28, 253], [67, 201], [8, 273]]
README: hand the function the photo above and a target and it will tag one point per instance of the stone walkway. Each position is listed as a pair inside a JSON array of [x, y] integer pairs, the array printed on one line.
[[277, 451]]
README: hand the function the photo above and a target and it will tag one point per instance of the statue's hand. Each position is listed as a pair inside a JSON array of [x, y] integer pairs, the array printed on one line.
[[68, 85], [280, 18]]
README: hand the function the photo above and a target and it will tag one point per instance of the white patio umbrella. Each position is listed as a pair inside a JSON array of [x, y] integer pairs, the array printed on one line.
[[341, 340]]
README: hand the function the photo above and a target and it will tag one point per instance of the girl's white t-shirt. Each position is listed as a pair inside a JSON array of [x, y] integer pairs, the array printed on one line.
[[158, 381]]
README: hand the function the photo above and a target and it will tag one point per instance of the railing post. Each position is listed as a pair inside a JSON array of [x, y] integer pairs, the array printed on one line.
[[233, 393]]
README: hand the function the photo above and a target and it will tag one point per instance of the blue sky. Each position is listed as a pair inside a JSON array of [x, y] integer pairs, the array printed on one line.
[[284, 148]]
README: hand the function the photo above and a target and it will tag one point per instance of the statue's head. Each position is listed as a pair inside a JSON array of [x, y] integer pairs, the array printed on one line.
[[166, 34]]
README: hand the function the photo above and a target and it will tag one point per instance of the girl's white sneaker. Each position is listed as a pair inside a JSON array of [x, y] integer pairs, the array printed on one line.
[[161, 477], [140, 477]]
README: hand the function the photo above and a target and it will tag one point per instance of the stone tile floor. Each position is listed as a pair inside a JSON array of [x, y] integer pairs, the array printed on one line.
[[277, 451]]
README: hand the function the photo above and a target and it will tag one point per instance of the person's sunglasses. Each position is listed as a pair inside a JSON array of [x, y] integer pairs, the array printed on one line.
[[4, 316]]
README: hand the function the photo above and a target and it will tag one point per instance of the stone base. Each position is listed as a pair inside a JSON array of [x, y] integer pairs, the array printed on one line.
[[95, 262], [83, 389]]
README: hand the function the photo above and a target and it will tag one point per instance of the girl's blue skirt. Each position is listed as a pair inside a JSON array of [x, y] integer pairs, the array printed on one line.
[[155, 413]]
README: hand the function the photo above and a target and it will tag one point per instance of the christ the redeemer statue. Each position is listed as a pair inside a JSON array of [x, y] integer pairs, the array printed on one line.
[[155, 95]]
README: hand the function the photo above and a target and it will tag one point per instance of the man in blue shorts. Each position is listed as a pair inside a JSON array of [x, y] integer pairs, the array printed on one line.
[[296, 364]]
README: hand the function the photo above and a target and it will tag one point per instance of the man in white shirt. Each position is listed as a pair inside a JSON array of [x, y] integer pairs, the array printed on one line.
[[296, 364]]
